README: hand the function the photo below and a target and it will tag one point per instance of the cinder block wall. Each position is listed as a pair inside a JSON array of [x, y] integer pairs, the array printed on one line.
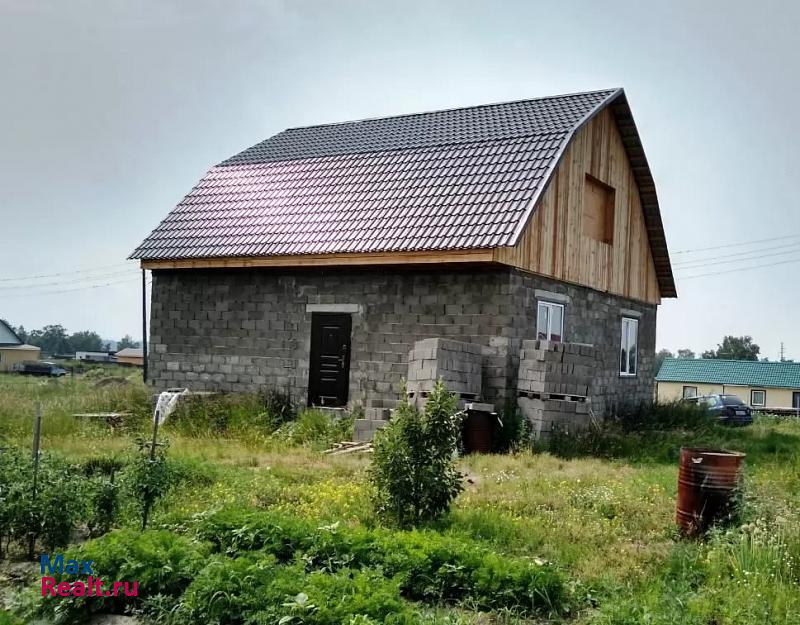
[[595, 318], [244, 330], [248, 329]]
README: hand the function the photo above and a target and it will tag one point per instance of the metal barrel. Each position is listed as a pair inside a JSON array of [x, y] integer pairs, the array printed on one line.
[[707, 483]]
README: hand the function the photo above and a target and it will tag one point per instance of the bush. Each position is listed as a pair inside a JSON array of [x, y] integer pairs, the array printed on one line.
[[279, 408], [315, 428], [258, 591], [645, 416], [413, 471], [104, 493], [644, 430], [104, 504], [161, 562], [216, 415], [148, 479], [514, 431], [426, 565], [54, 513], [235, 531]]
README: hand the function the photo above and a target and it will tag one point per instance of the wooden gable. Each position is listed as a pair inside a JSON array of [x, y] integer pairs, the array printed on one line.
[[588, 227]]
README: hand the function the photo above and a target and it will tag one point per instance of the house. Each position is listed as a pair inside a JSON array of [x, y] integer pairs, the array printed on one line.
[[13, 350], [132, 356], [85, 356], [760, 384], [316, 259]]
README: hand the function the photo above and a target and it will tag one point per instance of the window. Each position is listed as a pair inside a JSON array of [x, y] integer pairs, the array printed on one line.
[[796, 400], [629, 353], [598, 210], [758, 398], [689, 391], [550, 321]]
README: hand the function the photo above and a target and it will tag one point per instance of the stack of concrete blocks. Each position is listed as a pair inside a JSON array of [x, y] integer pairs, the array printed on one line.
[[500, 363], [553, 385], [456, 364], [376, 415]]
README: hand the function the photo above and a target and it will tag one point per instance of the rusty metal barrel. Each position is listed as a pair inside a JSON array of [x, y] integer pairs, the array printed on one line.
[[707, 483]]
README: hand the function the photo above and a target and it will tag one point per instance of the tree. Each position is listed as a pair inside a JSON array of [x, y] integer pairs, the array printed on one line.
[[126, 341], [51, 339], [412, 470], [686, 353], [85, 341], [661, 356], [735, 348]]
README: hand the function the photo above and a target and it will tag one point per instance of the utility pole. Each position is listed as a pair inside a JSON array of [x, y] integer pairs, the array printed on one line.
[[782, 353], [144, 325]]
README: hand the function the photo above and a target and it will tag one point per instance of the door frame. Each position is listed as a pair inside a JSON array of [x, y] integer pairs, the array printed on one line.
[[317, 318]]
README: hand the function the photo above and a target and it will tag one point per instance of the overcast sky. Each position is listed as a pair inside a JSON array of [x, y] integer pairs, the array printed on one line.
[[112, 110]]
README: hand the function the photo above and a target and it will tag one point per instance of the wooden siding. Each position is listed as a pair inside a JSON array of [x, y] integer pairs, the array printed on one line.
[[553, 243]]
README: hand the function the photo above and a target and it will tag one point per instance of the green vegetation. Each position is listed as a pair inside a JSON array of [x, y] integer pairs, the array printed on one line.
[[54, 339], [257, 526], [413, 472]]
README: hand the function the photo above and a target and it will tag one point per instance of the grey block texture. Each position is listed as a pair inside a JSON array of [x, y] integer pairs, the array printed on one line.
[[456, 363], [245, 330]]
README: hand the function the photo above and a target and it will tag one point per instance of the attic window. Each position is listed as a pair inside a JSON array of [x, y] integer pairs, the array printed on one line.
[[598, 210]]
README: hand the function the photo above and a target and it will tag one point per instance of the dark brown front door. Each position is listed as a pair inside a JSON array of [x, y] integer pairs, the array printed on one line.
[[329, 372]]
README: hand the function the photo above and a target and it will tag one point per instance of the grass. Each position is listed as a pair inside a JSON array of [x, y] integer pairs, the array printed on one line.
[[605, 519]]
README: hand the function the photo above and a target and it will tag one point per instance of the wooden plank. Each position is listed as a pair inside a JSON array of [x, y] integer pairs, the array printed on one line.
[[325, 260]]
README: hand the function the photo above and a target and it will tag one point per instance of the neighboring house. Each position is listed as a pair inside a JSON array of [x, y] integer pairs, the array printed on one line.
[[94, 356], [760, 384], [314, 260], [133, 356], [13, 350]]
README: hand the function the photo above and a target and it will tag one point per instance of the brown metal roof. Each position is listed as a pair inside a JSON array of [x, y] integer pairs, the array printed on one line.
[[445, 180]]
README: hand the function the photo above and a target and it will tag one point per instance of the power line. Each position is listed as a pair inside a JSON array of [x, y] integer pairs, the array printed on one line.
[[65, 273], [17, 287], [735, 260], [80, 288], [691, 261], [753, 242], [717, 273]]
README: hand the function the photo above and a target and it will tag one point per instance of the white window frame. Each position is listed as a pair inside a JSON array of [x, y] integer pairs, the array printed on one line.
[[685, 396], [624, 370], [763, 392], [550, 306]]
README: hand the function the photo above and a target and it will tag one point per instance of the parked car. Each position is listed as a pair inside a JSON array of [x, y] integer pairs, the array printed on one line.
[[729, 409], [39, 368]]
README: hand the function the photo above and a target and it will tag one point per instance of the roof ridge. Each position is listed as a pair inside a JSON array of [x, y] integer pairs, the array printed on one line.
[[549, 134], [610, 91]]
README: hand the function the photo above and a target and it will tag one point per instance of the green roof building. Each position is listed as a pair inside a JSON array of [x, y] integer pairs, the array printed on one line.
[[760, 384]]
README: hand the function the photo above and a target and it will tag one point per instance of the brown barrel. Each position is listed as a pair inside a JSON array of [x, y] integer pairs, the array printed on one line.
[[477, 432], [707, 482]]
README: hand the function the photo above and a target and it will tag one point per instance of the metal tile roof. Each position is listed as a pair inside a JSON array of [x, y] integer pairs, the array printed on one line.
[[735, 372], [456, 179]]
